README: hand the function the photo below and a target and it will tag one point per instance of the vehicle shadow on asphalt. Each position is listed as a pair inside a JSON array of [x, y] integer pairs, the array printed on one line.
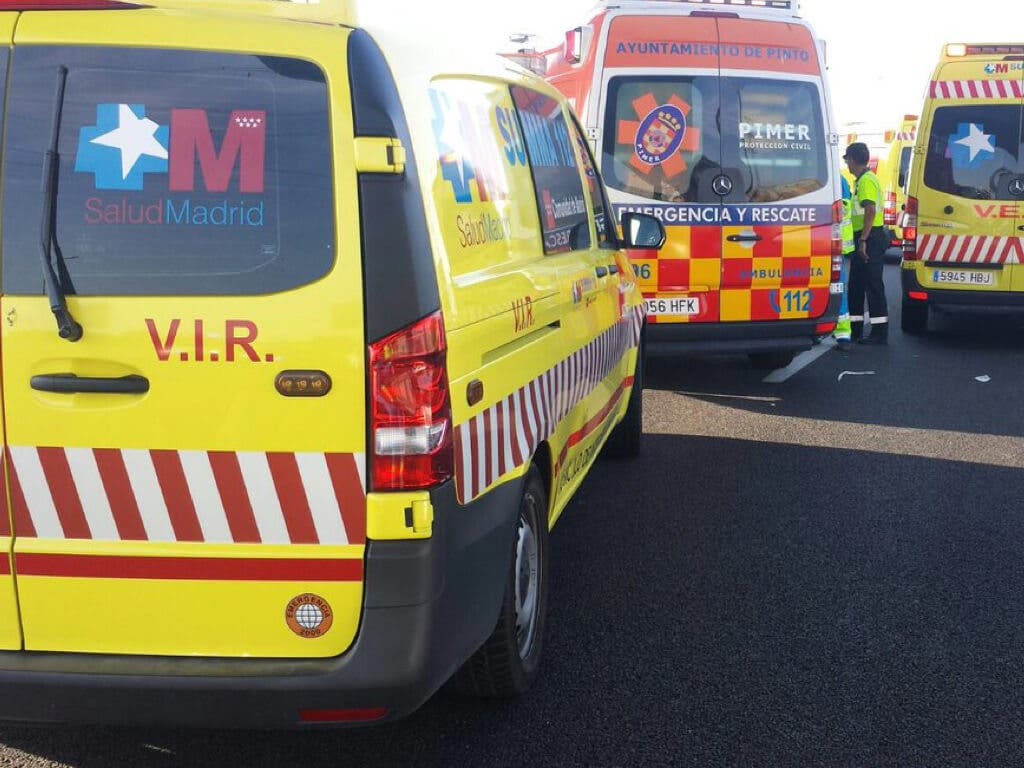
[[918, 382], [951, 379], [721, 602]]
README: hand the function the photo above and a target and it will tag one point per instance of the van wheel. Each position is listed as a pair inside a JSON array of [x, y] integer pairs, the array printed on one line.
[[624, 441], [914, 317], [506, 664], [769, 361]]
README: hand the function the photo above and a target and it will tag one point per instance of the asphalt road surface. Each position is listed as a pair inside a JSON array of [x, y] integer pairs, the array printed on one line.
[[827, 571]]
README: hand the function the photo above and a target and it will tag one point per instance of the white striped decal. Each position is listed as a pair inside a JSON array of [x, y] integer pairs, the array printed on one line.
[[505, 436], [29, 471], [906, 136], [195, 496], [971, 249], [977, 89]]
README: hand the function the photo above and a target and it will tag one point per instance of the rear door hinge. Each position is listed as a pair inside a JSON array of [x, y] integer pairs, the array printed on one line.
[[379, 154]]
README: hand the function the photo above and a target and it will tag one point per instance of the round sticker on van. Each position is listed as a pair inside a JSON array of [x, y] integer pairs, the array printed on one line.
[[309, 615], [660, 134]]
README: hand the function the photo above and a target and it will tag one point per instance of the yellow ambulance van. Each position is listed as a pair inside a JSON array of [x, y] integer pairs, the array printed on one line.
[[716, 118], [897, 174], [307, 340], [964, 231]]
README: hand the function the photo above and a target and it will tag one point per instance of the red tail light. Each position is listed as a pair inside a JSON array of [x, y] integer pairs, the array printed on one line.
[[910, 230], [889, 209], [837, 242], [410, 409]]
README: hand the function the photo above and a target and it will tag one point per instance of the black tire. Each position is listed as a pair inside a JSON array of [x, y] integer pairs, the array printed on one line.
[[914, 317], [506, 664], [625, 440], [769, 361]]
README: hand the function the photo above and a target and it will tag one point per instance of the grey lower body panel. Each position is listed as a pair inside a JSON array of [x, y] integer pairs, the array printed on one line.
[[737, 338], [428, 606]]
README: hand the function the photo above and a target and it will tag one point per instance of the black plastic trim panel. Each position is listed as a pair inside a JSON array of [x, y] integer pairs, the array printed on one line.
[[737, 338], [400, 283], [428, 606]]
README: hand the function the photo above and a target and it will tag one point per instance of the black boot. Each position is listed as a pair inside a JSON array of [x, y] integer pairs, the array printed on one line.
[[857, 331], [879, 335]]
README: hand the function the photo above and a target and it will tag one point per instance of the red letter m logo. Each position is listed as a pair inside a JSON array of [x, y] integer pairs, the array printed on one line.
[[244, 143]]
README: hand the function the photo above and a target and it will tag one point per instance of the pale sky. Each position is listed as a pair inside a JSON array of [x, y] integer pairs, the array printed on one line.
[[881, 52]]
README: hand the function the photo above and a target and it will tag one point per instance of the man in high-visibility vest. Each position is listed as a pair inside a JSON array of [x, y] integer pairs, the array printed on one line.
[[842, 332], [870, 242]]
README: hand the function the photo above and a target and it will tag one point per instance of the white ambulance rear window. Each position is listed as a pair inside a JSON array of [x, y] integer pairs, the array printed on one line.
[[779, 145], [180, 172], [976, 152], [668, 138]]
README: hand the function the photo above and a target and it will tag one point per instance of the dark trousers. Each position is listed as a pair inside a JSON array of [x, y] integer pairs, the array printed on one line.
[[866, 279]]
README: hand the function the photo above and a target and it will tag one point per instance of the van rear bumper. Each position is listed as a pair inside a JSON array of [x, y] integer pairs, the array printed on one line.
[[964, 301], [736, 338], [428, 606]]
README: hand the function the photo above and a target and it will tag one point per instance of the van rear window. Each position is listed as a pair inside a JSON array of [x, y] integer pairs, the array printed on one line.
[[975, 152], [668, 138], [181, 173]]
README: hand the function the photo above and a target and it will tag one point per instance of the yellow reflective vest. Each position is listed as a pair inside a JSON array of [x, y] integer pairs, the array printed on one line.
[[847, 227]]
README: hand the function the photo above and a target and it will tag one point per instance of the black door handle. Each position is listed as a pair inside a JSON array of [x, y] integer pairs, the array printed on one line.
[[744, 238], [601, 271], [69, 383], [1021, 228]]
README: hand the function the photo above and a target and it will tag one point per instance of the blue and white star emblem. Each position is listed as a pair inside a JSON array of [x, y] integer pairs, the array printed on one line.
[[970, 146], [456, 167], [122, 147]]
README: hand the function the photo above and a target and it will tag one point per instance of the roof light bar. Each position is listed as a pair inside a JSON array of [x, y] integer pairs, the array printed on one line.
[[956, 50]]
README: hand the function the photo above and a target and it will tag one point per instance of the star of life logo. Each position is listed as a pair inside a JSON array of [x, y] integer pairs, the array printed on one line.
[[127, 148], [971, 146], [468, 151]]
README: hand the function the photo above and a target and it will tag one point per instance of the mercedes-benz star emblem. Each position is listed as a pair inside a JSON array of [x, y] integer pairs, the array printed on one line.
[[1017, 187], [722, 185]]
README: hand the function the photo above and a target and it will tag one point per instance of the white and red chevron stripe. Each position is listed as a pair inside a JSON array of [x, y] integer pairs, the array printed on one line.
[[970, 249], [976, 89], [188, 496], [906, 136], [506, 435]]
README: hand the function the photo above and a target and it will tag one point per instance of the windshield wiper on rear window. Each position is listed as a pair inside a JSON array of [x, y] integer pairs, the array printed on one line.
[[66, 325]]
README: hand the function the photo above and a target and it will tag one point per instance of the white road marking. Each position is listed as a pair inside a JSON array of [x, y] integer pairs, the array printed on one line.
[[800, 362], [855, 373]]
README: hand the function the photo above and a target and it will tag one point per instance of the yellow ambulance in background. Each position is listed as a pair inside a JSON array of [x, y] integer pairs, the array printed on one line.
[[321, 337], [964, 233], [897, 174]]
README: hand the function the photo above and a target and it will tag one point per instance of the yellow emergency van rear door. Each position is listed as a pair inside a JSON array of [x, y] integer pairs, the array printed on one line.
[[187, 478], [968, 211], [10, 631]]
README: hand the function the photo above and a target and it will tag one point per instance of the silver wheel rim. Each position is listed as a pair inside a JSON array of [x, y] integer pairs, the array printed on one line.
[[527, 582]]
